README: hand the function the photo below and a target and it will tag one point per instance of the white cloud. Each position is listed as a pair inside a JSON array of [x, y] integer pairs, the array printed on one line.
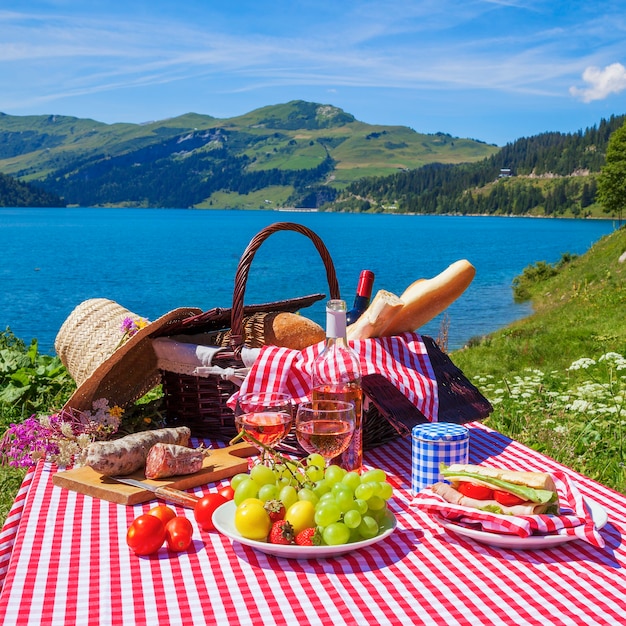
[[602, 82]]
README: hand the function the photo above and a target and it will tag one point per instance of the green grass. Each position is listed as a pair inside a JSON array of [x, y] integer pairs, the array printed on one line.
[[576, 415], [267, 198]]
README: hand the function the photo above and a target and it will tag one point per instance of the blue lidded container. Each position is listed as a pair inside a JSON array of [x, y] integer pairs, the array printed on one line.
[[433, 445]]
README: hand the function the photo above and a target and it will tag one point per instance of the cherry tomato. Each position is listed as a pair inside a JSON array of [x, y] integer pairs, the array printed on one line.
[[479, 492], [507, 499], [204, 509], [146, 534], [301, 515], [228, 492], [178, 532], [252, 520], [163, 512]]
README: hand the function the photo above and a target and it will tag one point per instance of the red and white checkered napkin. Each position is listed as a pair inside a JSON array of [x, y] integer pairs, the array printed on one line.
[[402, 360], [576, 521]]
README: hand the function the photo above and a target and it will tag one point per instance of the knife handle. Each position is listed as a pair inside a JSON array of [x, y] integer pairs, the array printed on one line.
[[176, 496]]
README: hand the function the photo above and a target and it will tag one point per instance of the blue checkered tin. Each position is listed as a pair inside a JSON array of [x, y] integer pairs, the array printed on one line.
[[434, 444]]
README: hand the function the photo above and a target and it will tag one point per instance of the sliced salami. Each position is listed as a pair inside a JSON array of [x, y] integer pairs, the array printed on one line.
[[168, 459]]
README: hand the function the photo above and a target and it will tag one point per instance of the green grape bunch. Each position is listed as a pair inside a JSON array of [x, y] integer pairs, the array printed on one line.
[[348, 506]]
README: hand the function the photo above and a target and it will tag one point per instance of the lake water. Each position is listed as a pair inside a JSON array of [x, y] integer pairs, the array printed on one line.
[[154, 260]]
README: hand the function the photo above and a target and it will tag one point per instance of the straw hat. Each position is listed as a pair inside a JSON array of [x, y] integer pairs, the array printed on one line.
[[103, 359]]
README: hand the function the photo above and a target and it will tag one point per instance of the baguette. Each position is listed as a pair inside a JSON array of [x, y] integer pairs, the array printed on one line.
[[376, 317], [425, 299]]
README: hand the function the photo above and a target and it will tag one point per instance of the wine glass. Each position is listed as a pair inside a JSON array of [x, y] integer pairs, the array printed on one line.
[[325, 427], [267, 416]]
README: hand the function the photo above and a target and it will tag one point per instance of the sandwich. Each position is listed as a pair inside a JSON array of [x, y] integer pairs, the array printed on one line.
[[498, 491]]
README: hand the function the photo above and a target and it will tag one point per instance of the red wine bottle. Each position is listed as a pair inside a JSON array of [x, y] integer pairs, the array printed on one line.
[[336, 375], [362, 298]]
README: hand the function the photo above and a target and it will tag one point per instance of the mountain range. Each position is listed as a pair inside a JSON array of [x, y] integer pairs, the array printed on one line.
[[298, 154]]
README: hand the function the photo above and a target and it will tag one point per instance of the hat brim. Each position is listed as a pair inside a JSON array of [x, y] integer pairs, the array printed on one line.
[[131, 371]]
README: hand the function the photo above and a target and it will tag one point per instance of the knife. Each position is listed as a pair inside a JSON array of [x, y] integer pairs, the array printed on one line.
[[169, 494]]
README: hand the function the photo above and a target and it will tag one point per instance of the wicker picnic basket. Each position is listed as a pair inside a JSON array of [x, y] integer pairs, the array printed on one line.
[[199, 401]]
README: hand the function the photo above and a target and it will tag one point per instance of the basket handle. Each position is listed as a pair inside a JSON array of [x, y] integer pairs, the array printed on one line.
[[243, 269]]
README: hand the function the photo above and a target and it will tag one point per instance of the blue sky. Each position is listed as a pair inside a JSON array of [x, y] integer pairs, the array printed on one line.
[[494, 70]]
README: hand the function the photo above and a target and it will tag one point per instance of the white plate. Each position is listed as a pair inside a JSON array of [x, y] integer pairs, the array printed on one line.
[[224, 521], [534, 542]]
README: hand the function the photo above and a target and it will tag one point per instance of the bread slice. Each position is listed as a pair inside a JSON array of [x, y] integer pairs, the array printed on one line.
[[375, 319]]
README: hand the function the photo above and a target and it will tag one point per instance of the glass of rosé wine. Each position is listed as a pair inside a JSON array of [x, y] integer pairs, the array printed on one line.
[[325, 427], [266, 416]]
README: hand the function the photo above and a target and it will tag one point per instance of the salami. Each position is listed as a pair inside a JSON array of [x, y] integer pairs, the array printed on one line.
[[169, 459], [126, 455]]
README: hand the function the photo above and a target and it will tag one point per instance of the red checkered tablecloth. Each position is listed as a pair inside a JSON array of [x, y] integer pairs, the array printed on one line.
[[64, 560]]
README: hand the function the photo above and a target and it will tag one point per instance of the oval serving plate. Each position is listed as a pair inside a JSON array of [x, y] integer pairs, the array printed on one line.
[[534, 542], [224, 521]]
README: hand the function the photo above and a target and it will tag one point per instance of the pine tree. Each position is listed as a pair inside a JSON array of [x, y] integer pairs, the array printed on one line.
[[612, 178]]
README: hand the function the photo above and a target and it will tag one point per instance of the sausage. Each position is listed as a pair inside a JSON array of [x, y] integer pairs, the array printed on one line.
[[128, 454], [169, 459]]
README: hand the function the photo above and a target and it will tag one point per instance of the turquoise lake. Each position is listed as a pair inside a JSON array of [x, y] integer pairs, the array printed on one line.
[[154, 260]]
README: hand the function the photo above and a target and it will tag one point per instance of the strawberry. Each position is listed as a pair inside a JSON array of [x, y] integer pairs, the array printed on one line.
[[281, 532], [275, 509], [308, 537]]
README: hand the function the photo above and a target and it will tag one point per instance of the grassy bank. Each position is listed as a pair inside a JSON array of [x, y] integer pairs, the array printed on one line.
[[549, 377], [557, 379]]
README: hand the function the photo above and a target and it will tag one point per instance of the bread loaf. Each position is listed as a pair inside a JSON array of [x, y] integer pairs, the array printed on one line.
[[425, 299], [290, 330], [376, 317]]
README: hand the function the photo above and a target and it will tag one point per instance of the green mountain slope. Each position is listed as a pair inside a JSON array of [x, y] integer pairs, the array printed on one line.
[[301, 152]]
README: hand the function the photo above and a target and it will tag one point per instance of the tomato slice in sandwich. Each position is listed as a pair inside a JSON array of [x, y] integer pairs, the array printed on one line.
[[507, 499], [478, 492]]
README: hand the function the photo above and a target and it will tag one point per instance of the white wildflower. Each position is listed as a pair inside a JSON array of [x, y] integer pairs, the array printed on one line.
[[615, 357], [83, 440], [578, 405], [66, 430], [583, 363]]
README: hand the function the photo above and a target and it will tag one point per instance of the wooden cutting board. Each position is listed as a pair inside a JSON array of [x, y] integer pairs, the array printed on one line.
[[218, 464]]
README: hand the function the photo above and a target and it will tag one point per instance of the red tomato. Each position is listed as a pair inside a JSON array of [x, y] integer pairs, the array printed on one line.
[[203, 511], [228, 492], [146, 534], [507, 499], [163, 512], [178, 532], [479, 492]]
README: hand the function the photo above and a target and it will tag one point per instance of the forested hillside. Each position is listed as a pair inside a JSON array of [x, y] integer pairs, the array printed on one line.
[[14, 193], [293, 154], [548, 174]]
